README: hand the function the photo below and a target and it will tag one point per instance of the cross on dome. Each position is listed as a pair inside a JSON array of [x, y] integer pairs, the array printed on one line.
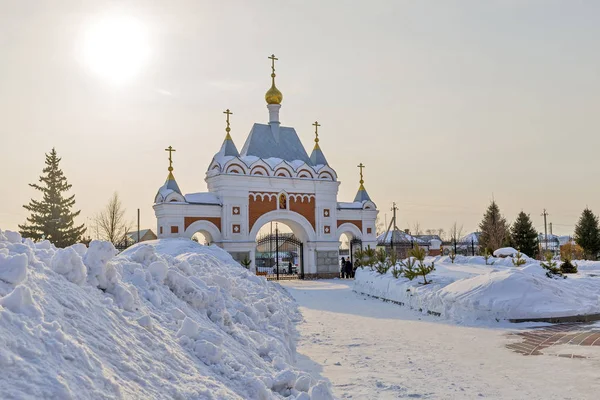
[[227, 129], [170, 149], [273, 95]]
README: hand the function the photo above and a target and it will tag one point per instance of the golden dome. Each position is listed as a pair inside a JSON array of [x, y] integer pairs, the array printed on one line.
[[273, 95]]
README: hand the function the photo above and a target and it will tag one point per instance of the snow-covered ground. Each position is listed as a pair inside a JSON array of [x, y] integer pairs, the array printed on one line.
[[369, 349], [470, 291], [168, 319]]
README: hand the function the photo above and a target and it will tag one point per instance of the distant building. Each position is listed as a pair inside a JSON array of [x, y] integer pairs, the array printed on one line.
[[432, 242], [468, 245], [553, 243], [145, 234], [400, 242]]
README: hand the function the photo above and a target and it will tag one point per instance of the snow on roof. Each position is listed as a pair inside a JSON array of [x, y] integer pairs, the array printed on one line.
[[266, 142], [399, 237], [473, 236], [355, 205], [143, 232], [202, 198], [428, 238], [505, 252]]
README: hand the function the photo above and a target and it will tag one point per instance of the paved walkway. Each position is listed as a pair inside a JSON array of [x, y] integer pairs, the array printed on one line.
[[369, 349], [538, 341]]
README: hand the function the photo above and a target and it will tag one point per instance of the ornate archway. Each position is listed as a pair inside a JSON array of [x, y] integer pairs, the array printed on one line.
[[207, 228]]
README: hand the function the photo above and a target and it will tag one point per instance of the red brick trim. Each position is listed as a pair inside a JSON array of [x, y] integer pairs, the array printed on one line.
[[355, 222], [187, 221]]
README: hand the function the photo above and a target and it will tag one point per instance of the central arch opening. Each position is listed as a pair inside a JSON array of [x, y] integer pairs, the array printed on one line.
[[279, 252]]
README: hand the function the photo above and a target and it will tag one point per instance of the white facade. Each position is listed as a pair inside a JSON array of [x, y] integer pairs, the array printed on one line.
[[272, 180]]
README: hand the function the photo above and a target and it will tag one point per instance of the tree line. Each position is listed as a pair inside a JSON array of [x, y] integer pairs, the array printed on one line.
[[52, 218], [497, 233]]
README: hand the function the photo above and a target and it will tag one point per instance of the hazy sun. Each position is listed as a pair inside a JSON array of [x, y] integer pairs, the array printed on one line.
[[116, 47]]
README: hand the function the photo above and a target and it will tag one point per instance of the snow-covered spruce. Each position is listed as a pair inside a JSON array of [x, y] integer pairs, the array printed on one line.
[[468, 290], [169, 319]]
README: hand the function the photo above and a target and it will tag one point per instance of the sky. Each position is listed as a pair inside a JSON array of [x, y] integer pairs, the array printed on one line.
[[448, 104]]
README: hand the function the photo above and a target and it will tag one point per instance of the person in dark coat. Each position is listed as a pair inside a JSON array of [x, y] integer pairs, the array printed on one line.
[[342, 268], [290, 267], [348, 269]]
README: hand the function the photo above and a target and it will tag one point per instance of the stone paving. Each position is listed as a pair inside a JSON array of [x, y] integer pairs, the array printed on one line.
[[533, 342]]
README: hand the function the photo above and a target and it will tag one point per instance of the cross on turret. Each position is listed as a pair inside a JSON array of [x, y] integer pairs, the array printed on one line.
[[227, 129], [361, 166], [170, 149], [316, 125]]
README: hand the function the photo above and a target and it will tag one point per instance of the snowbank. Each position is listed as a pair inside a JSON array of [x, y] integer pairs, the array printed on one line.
[[469, 290], [168, 319], [505, 252]]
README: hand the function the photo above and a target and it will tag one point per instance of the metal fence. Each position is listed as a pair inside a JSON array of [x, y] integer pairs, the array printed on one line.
[[465, 248]]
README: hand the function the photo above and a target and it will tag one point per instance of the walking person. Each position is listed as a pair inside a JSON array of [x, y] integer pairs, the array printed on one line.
[[342, 268], [290, 267], [348, 269]]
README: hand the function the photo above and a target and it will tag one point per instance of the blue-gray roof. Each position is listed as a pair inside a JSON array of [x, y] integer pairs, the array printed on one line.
[[228, 148], [266, 141], [362, 195], [171, 183], [317, 157]]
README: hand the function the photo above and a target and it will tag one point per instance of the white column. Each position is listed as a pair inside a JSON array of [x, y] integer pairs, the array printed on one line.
[[274, 113], [274, 119]]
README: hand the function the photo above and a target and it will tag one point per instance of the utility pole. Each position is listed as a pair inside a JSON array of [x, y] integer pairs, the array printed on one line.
[[545, 214], [138, 235], [392, 223], [550, 228]]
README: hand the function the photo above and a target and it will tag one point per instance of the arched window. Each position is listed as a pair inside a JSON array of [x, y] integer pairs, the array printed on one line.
[[282, 202]]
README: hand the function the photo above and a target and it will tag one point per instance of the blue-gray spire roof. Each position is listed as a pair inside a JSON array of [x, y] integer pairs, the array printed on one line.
[[266, 141], [317, 157], [228, 148], [362, 195], [171, 183]]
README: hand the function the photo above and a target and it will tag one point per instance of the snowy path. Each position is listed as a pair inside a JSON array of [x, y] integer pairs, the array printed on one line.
[[374, 350]]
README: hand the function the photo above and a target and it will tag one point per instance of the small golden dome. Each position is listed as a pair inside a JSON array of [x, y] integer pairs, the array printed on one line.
[[273, 95]]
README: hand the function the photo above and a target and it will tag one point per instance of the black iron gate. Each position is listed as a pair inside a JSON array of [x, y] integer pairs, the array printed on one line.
[[279, 256], [355, 244]]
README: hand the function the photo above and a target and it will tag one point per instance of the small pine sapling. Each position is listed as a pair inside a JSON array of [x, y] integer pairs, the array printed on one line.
[[359, 257], [550, 266], [409, 270], [518, 260], [381, 265], [452, 256], [370, 256], [486, 256], [422, 269], [246, 262], [567, 266], [392, 263]]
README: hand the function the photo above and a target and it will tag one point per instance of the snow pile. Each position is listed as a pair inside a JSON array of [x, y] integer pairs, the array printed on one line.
[[469, 290], [505, 252], [166, 319]]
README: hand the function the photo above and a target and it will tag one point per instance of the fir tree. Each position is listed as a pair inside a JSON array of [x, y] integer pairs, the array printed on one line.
[[524, 235], [552, 271], [51, 218], [494, 229], [587, 234]]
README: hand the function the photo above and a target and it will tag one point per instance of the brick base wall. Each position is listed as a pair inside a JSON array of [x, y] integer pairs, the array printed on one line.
[[324, 275], [327, 262]]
